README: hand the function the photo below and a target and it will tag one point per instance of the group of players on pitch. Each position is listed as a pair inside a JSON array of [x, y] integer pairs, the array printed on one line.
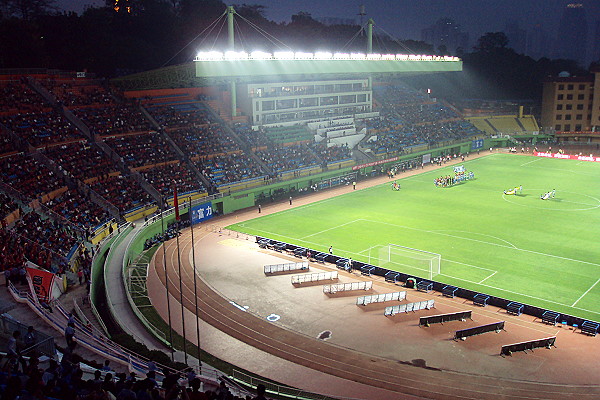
[[519, 190]]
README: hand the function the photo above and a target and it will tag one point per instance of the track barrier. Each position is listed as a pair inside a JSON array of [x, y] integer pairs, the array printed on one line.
[[380, 298], [347, 287], [287, 267], [441, 318], [478, 330], [319, 276], [508, 349]]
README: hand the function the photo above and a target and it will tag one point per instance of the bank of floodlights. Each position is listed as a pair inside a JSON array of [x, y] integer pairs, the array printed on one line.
[[321, 55]]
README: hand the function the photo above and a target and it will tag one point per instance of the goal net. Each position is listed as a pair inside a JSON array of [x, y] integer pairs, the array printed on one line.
[[409, 261]]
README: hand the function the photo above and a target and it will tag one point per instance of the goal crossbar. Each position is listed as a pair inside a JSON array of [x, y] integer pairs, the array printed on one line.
[[407, 259]]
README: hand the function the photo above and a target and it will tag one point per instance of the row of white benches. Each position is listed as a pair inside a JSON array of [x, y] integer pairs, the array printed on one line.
[[347, 287], [275, 268], [404, 308]]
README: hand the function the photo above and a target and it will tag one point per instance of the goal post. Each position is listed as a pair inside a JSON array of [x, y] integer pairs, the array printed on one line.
[[408, 260]]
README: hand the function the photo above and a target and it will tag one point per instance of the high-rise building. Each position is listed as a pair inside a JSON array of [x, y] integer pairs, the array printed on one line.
[[517, 37], [571, 42], [571, 105], [446, 33]]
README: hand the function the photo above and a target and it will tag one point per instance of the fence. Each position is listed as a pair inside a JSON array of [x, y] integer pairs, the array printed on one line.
[[320, 276], [380, 298], [274, 268], [44, 344], [273, 388], [404, 308], [478, 330], [508, 349], [348, 287], [441, 318]]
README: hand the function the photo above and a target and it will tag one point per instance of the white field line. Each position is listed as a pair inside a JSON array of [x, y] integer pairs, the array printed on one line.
[[529, 162], [486, 278], [469, 265], [329, 229], [586, 292]]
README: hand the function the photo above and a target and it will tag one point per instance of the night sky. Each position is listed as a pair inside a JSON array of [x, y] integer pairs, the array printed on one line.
[[406, 18]]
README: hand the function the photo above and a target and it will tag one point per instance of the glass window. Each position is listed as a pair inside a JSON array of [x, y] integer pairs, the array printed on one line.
[[582, 87], [560, 97], [579, 117], [309, 102], [558, 117], [569, 106], [568, 117], [557, 127], [561, 87], [286, 104], [581, 96], [569, 87], [567, 128], [268, 105], [347, 99], [580, 106], [361, 98], [569, 97], [577, 128]]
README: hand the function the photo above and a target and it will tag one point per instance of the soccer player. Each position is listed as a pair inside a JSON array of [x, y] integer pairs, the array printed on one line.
[[553, 192]]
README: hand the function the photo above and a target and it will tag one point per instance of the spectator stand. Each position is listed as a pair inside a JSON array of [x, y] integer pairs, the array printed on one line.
[[514, 308], [441, 318], [550, 317], [287, 267], [463, 334], [348, 287], [449, 291], [590, 328], [481, 299], [319, 276], [380, 298], [425, 286], [508, 349], [405, 308]]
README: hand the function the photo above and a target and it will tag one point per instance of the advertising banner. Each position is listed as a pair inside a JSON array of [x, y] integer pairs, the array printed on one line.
[[42, 282], [371, 164], [567, 156], [202, 212]]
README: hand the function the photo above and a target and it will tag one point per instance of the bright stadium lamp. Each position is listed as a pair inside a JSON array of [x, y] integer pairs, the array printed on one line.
[[323, 55], [341, 56], [388, 57], [357, 56], [209, 56], [284, 55], [402, 57], [373, 56], [299, 55], [236, 55], [260, 55]]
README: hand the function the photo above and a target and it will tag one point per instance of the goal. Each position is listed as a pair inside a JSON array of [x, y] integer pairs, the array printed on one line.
[[409, 260]]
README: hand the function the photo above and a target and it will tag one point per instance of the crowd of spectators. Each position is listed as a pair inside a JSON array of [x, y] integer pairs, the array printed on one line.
[[78, 93], [83, 160], [28, 176], [203, 141], [287, 158], [253, 138], [7, 205], [122, 191], [113, 119], [6, 142], [332, 153], [16, 97], [229, 168], [142, 149], [78, 209], [168, 116], [41, 128], [165, 177]]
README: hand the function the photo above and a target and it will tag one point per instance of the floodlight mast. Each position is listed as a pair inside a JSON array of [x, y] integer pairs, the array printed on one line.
[[370, 24], [231, 45]]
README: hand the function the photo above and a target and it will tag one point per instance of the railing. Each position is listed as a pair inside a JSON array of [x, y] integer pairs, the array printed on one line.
[[44, 343], [273, 388]]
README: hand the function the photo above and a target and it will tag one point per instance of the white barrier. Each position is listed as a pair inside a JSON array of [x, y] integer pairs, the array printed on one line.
[[380, 298], [348, 287], [274, 268], [320, 276], [404, 308]]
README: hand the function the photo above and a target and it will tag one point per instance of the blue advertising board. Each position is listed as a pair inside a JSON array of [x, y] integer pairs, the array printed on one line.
[[476, 144], [202, 212]]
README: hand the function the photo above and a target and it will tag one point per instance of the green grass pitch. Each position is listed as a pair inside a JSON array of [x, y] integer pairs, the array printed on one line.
[[541, 252]]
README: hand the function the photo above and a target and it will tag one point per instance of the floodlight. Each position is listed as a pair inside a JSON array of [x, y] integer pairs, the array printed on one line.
[[402, 57], [236, 55], [260, 55], [323, 55], [373, 56], [209, 56], [299, 55], [341, 56], [284, 55], [358, 56], [388, 57]]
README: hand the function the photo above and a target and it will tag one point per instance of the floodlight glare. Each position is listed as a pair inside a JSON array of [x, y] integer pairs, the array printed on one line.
[[236, 55], [341, 56], [323, 55], [209, 56], [260, 55], [388, 57], [358, 56], [284, 55], [299, 55], [373, 56]]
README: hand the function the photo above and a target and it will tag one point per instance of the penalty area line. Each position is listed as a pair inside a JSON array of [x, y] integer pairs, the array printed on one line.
[[586, 292], [488, 277]]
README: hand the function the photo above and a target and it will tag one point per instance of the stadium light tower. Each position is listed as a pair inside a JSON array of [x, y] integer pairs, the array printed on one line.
[[231, 46]]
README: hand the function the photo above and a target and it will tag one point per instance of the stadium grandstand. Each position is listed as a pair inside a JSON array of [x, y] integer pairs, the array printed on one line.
[[98, 176]]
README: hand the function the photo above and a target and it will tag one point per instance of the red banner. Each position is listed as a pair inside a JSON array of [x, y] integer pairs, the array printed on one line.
[[175, 203], [372, 164], [566, 156], [42, 283]]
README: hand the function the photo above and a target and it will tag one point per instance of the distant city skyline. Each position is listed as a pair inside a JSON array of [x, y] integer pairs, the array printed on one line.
[[539, 19]]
